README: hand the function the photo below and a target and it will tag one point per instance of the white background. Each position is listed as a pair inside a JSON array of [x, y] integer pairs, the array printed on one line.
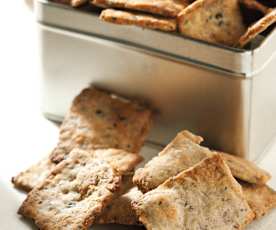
[[25, 135]]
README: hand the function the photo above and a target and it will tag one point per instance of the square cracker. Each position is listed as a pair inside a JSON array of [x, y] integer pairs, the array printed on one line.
[[78, 189], [182, 153], [141, 20], [169, 8], [98, 119], [261, 198], [214, 21], [204, 197]]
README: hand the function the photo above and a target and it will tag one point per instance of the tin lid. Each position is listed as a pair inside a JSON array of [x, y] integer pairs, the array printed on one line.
[[238, 62]]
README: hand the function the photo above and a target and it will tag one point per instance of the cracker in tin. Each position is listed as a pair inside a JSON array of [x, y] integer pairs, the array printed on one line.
[[257, 28], [214, 21], [169, 8], [141, 20]]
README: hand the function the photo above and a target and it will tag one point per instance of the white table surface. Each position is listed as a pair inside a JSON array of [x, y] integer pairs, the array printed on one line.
[[25, 135]]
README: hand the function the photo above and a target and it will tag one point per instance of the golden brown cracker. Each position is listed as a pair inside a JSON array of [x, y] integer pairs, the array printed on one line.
[[141, 20], [203, 197], [214, 21]]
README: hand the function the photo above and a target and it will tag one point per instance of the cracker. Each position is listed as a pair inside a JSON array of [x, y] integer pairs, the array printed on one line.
[[74, 3], [120, 210], [169, 8], [257, 28], [204, 197], [245, 170], [261, 198], [34, 175], [212, 21], [77, 190], [182, 153], [141, 20], [96, 120], [255, 5], [100, 120]]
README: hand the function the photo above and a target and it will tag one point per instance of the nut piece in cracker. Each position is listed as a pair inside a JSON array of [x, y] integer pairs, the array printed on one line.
[[34, 175], [182, 153], [169, 8], [245, 170], [260, 198], [257, 28], [100, 120], [120, 211], [78, 189], [214, 21], [203, 197], [141, 20]]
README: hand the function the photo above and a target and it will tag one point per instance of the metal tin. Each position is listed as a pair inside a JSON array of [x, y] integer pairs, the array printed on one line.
[[221, 93]]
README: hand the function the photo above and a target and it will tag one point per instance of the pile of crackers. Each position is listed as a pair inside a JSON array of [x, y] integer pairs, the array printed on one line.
[[227, 22], [90, 177]]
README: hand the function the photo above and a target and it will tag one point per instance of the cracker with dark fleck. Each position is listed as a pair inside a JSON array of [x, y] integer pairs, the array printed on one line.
[[141, 20], [204, 197], [100, 120], [245, 170], [257, 28], [78, 189], [214, 21], [261, 198], [96, 120], [169, 8]]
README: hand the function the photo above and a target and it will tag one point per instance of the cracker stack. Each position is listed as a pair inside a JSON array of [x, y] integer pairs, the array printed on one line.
[[89, 177]]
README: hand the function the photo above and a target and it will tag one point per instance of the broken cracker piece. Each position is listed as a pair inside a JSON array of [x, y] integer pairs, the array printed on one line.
[[168, 8], [120, 211], [100, 120], [76, 191], [204, 197], [212, 21], [34, 175], [182, 153], [257, 28], [261, 198], [245, 170], [144, 21]]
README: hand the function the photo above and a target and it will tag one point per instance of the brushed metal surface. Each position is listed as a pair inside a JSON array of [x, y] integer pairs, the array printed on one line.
[[210, 103]]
